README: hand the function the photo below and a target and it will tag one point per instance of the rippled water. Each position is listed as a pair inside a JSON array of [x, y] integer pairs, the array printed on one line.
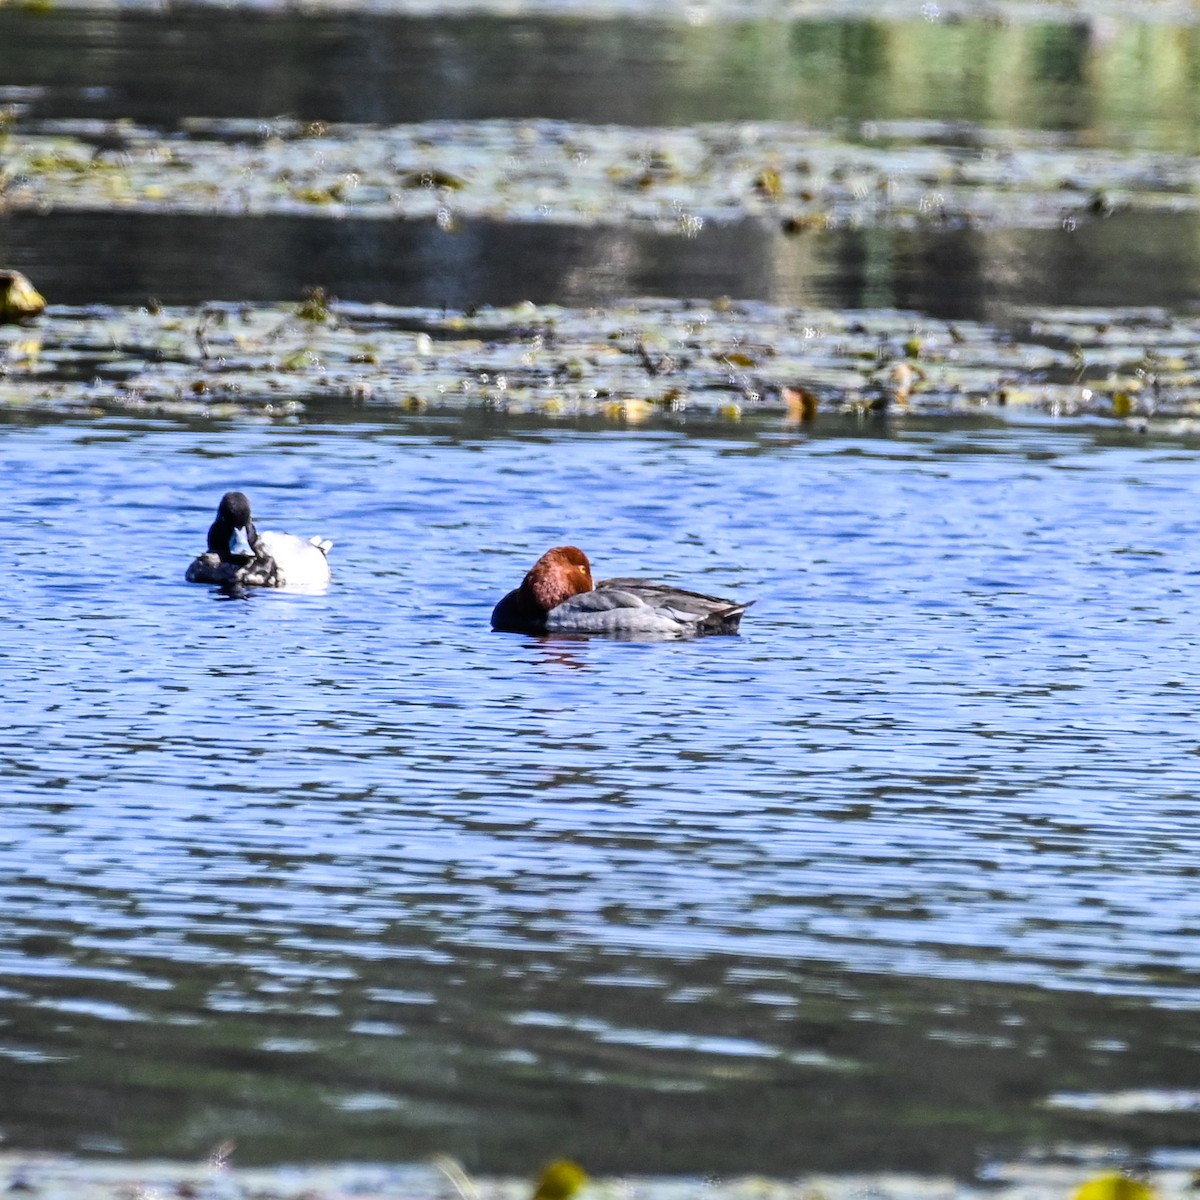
[[905, 876], [350, 876]]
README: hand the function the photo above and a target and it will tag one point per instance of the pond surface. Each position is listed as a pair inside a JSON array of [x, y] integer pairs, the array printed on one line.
[[903, 876]]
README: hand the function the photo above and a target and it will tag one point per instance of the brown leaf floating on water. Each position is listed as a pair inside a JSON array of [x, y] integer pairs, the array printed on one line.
[[768, 184], [801, 403], [433, 179]]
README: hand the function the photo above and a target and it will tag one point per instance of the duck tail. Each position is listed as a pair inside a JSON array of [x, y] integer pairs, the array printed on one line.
[[322, 544], [727, 619]]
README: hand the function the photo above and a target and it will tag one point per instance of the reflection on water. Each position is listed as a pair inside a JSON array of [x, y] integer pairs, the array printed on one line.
[[865, 886], [956, 274], [1107, 86], [1110, 79]]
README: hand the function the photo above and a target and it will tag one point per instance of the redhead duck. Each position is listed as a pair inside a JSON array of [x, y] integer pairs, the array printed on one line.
[[239, 555], [558, 596]]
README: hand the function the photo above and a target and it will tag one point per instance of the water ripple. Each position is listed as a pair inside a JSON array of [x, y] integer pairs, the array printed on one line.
[[951, 762]]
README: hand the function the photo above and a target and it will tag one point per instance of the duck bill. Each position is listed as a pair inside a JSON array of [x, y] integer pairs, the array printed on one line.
[[239, 544]]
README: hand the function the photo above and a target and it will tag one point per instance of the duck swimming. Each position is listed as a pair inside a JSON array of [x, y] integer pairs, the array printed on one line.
[[239, 555], [558, 596]]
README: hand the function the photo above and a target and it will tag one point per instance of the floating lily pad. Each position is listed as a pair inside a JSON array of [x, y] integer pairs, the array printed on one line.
[[633, 362], [785, 173]]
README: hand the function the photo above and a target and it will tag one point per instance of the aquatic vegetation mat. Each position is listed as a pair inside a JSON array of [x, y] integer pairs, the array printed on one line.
[[52, 1177], [633, 362], [895, 175]]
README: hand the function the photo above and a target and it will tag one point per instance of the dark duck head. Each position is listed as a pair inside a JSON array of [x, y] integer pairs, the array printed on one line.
[[232, 536]]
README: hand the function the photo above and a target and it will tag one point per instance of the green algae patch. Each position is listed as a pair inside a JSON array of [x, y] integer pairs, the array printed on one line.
[[631, 363]]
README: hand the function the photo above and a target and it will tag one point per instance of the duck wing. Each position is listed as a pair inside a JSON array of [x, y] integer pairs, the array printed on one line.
[[208, 568], [704, 614], [615, 612], [260, 571]]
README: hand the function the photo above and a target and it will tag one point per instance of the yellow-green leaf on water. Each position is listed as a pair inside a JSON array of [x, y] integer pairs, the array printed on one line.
[[317, 195], [316, 306], [632, 409], [1114, 1186], [561, 1179], [20, 301], [25, 353], [55, 162], [768, 184], [301, 360]]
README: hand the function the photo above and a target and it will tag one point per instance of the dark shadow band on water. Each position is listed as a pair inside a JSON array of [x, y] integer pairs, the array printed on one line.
[[117, 258], [80, 258]]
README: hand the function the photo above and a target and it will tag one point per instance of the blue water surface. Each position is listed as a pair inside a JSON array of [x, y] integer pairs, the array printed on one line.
[[348, 875]]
